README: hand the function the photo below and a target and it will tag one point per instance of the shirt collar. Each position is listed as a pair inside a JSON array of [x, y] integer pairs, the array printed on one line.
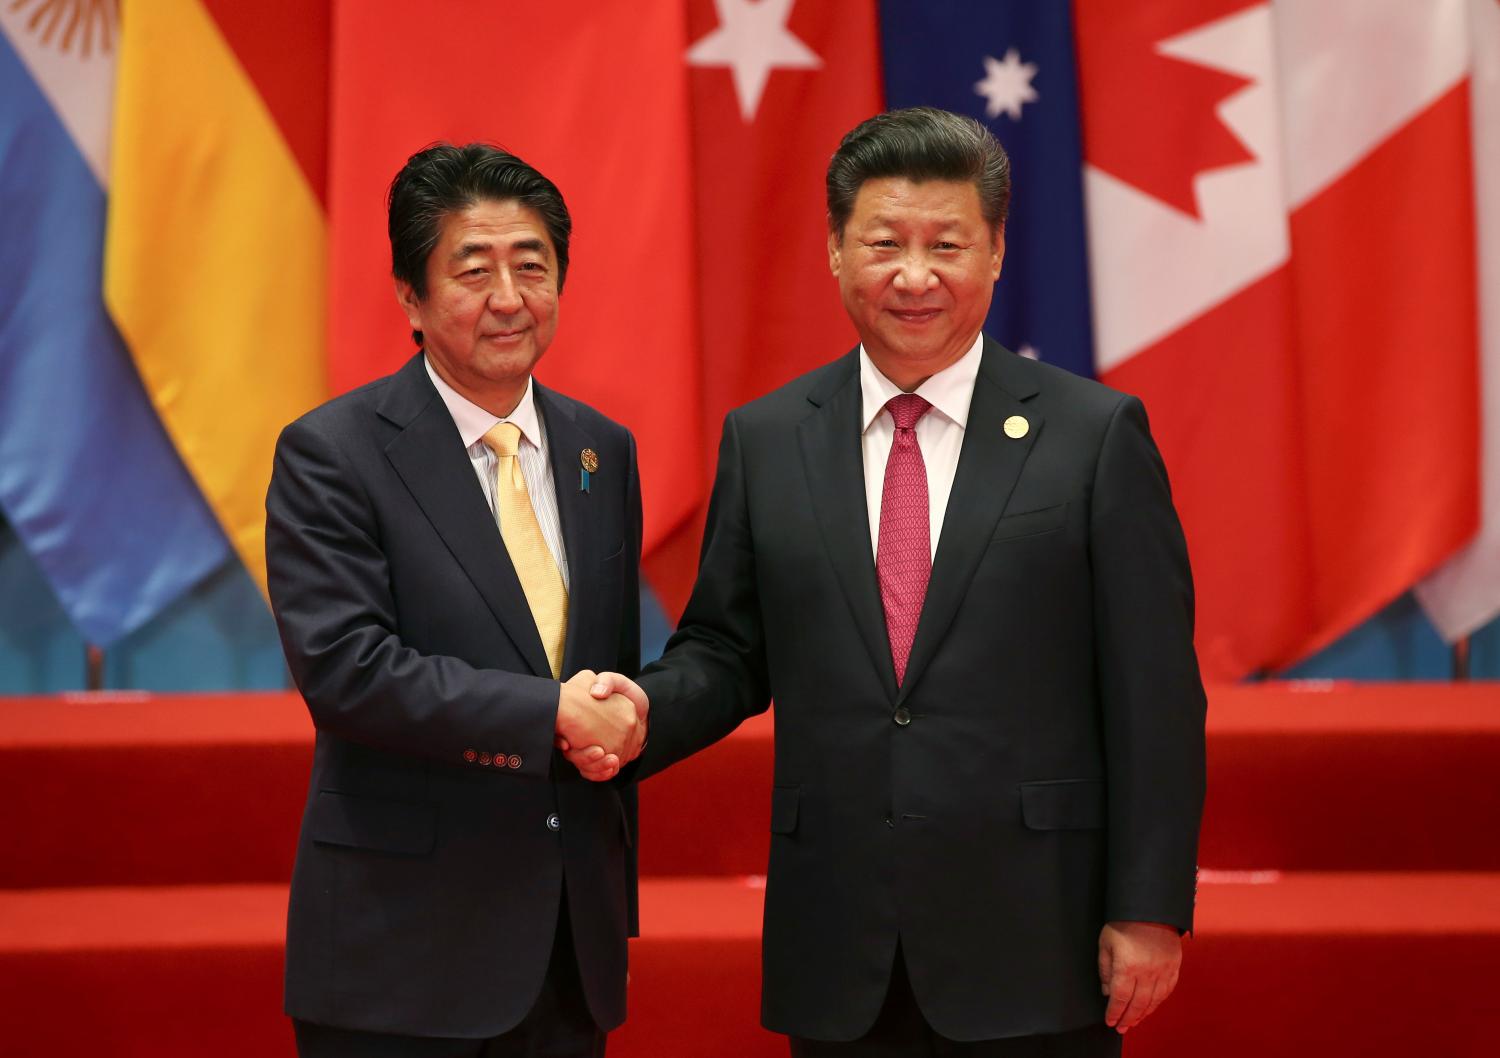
[[950, 391], [474, 422]]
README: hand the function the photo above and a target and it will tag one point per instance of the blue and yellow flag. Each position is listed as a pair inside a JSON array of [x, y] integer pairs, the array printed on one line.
[[89, 480]]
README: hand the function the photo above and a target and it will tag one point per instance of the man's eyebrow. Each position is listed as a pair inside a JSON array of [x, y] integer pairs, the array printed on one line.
[[880, 220], [469, 249]]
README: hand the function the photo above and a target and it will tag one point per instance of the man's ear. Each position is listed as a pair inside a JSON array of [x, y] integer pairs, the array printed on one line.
[[406, 297], [997, 251], [835, 258]]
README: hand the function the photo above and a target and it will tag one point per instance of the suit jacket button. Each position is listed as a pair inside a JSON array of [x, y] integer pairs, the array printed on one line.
[[553, 823], [514, 762], [902, 717], [470, 756]]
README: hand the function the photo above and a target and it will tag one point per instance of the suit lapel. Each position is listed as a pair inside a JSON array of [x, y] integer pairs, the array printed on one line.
[[579, 513], [989, 465], [833, 461], [429, 456]]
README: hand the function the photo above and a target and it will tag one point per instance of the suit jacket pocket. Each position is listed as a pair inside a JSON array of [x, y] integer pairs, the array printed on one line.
[[370, 823], [1029, 523], [1063, 804], [785, 804]]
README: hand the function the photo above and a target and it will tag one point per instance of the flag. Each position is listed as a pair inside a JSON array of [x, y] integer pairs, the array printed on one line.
[[88, 479], [1010, 64], [774, 86], [1464, 595], [1280, 221], [215, 262], [690, 139], [595, 96], [1257, 182]]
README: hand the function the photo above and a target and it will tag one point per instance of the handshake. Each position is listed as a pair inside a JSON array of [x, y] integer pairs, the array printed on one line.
[[601, 723]]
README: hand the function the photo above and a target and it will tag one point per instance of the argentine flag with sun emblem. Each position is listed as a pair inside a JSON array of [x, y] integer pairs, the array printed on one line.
[[89, 480]]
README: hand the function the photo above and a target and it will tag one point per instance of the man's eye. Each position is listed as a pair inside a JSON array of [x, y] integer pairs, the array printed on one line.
[[947, 246], [884, 244]]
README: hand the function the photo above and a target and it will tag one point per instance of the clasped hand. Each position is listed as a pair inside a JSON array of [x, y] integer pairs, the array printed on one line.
[[601, 723]]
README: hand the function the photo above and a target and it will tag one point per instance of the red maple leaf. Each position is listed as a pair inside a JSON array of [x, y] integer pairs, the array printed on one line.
[[1150, 119]]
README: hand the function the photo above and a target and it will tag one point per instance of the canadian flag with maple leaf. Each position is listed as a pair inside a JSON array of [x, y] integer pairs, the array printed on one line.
[[1282, 223]]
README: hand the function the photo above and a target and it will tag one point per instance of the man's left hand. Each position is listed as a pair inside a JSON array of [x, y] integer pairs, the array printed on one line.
[[1138, 965]]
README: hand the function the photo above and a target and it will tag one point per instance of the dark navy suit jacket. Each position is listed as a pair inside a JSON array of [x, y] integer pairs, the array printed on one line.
[[440, 824]]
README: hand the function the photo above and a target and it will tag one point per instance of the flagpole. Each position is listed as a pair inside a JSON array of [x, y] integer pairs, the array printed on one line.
[[1461, 659], [93, 668]]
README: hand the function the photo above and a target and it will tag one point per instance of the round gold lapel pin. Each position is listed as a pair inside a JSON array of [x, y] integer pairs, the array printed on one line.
[[589, 459], [1016, 427]]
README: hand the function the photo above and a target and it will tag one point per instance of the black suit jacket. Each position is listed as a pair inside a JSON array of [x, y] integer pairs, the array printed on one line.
[[1039, 772], [439, 825]]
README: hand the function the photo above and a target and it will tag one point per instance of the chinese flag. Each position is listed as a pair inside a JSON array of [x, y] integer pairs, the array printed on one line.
[[595, 95], [774, 86]]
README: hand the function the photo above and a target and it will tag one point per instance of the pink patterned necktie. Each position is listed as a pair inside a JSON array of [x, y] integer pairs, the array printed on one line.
[[903, 556]]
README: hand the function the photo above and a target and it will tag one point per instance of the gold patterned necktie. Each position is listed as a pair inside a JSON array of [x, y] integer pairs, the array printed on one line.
[[537, 569]]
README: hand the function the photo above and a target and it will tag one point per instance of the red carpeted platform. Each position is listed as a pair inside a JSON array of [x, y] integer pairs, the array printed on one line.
[[134, 789], [1285, 964], [1302, 776], [149, 838], [162, 971], [1349, 776]]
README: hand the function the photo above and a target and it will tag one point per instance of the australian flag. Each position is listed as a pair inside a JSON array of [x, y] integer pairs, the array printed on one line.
[[1010, 63]]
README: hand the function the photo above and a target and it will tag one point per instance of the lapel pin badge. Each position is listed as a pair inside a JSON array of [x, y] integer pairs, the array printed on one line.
[[1016, 427], [589, 460]]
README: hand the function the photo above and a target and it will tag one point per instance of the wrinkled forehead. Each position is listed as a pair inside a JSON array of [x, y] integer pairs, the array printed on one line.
[[490, 227], [902, 201]]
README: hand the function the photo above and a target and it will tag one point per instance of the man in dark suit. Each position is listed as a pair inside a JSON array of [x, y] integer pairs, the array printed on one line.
[[959, 574], [443, 545]]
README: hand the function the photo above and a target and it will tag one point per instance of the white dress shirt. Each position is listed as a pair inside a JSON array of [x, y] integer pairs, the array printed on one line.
[[474, 422], [940, 433]]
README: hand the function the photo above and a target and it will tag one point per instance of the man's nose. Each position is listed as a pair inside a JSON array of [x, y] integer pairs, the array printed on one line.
[[505, 296], [915, 274]]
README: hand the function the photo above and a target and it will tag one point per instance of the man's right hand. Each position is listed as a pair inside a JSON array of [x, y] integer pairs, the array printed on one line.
[[598, 730], [593, 761]]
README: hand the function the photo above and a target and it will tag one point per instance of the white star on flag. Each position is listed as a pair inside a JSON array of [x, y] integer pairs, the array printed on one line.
[[1006, 85], [752, 40]]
